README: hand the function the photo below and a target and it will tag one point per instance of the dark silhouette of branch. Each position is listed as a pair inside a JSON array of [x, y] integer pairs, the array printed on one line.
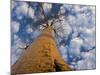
[[83, 49]]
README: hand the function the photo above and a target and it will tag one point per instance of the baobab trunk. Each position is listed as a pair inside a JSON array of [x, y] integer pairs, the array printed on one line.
[[41, 56]]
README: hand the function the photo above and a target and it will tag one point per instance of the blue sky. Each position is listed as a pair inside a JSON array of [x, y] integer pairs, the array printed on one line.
[[75, 33]]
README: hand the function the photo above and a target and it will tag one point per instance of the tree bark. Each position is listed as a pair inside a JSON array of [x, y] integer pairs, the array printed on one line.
[[41, 56]]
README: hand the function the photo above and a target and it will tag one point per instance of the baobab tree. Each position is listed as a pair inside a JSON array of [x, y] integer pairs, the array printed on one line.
[[69, 30], [42, 55]]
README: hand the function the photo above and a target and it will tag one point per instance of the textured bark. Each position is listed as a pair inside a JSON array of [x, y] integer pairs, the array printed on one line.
[[41, 56]]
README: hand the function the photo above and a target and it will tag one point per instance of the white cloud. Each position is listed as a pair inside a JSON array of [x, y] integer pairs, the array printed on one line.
[[13, 4], [29, 29], [35, 34], [76, 9], [81, 65], [63, 51], [68, 7], [62, 10], [47, 7], [92, 8], [75, 45], [16, 48], [89, 37], [31, 13], [17, 42], [22, 8], [71, 20], [15, 26], [88, 61], [89, 55], [76, 42]]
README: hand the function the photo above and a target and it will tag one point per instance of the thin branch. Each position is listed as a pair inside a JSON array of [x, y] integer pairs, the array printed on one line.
[[45, 16], [24, 47]]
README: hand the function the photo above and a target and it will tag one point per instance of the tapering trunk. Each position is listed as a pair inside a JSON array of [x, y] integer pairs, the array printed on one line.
[[41, 56]]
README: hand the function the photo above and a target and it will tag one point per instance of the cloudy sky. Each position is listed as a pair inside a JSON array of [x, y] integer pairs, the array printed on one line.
[[75, 33]]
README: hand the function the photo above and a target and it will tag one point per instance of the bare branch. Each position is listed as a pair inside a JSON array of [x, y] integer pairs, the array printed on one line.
[[44, 25], [45, 16], [52, 22], [24, 47]]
